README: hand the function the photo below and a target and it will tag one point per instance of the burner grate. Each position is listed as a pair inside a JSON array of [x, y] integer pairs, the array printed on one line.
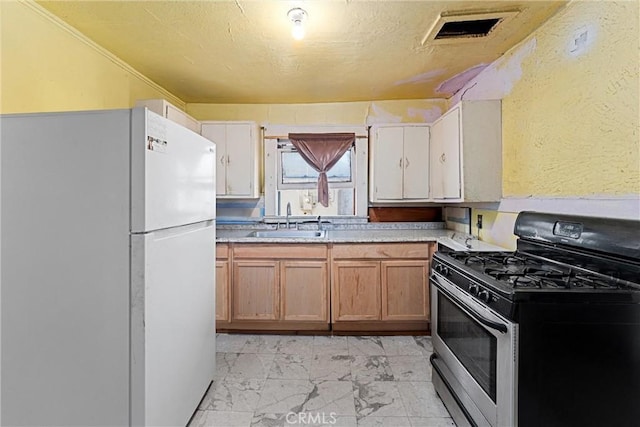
[[595, 282], [531, 277], [520, 270]]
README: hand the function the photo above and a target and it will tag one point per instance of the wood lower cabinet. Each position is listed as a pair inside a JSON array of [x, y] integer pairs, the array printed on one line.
[[380, 286], [279, 287], [223, 285], [304, 290], [405, 290], [256, 290], [292, 287], [356, 293]]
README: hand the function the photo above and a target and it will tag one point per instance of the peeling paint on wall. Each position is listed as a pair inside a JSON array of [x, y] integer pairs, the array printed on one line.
[[428, 116], [457, 82], [497, 80], [378, 114], [421, 78]]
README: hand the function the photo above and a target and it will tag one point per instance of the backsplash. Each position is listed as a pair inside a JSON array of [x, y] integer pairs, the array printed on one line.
[[239, 210], [457, 219]]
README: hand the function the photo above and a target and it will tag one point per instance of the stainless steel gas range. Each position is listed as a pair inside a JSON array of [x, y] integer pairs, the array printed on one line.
[[548, 335]]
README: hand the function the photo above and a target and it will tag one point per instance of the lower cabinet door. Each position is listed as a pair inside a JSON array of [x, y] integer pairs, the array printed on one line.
[[222, 291], [405, 291], [356, 290], [304, 290], [255, 290]]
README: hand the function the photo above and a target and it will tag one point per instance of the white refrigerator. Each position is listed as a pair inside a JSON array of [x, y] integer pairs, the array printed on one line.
[[107, 225]]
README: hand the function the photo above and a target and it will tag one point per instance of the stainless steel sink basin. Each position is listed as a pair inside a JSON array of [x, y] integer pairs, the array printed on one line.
[[290, 234]]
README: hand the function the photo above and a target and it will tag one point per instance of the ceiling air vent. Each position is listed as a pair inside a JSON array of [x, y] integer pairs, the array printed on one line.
[[466, 27]]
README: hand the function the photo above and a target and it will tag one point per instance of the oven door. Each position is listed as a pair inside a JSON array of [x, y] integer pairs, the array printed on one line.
[[475, 355]]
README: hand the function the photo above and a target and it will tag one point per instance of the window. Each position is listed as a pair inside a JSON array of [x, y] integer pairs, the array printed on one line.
[[290, 180], [294, 172]]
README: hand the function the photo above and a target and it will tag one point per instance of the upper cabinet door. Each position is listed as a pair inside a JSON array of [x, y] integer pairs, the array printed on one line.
[[388, 169], [416, 162], [237, 166], [218, 134], [399, 163], [451, 154], [436, 156], [239, 160], [466, 153]]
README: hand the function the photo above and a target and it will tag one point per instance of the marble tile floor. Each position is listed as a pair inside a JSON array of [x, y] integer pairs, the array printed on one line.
[[341, 381]]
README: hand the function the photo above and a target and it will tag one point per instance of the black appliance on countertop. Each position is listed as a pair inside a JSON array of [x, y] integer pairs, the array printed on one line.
[[548, 335]]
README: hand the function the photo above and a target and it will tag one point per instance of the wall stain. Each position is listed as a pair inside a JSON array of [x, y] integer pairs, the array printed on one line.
[[457, 82], [428, 116], [378, 114], [498, 79]]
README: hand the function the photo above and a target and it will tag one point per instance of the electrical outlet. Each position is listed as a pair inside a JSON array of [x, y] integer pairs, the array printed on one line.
[[479, 223]]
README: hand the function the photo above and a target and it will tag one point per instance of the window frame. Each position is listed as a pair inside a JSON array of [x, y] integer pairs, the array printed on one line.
[[285, 146], [360, 164]]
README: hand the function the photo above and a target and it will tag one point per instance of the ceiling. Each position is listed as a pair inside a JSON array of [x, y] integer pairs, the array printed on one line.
[[243, 52]]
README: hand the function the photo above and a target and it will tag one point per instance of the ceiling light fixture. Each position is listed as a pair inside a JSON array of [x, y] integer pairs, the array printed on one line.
[[297, 15]]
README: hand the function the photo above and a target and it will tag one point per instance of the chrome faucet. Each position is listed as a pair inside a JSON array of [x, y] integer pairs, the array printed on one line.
[[319, 223], [288, 213]]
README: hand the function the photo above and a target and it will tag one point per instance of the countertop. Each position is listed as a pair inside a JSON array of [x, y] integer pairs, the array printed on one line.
[[449, 238]]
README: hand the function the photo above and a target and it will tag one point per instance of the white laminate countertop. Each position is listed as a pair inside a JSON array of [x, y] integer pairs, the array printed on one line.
[[449, 238]]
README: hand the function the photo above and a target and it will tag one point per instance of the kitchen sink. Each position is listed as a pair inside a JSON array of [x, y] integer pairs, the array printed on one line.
[[290, 234]]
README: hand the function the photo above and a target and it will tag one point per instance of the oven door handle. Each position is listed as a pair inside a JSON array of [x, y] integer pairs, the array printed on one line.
[[477, 316]]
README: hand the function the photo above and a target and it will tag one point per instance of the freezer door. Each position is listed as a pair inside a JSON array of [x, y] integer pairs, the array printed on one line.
[[173, 323], [172, 174]]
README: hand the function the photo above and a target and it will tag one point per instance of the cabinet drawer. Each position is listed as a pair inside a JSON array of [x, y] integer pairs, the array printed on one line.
[[222, 251], [277, 251], [381, 251]]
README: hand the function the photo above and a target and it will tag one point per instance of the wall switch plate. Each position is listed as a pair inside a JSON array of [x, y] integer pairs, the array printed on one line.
[[479, 223]]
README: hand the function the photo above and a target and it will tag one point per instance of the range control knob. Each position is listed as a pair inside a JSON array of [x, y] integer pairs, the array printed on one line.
[[439, 268], [473, 289], [484, 295]]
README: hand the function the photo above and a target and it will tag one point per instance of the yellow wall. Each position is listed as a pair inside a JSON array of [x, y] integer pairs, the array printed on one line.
[[571, 123], [48, 66], [417, 111], [497, 227], [570, 114]]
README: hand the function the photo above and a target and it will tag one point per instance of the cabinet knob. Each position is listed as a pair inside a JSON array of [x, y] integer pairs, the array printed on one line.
[[400, 164], [406, 162]]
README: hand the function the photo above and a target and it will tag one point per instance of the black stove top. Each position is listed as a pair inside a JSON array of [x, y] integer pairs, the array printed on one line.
[[521, 272], [559, 259]]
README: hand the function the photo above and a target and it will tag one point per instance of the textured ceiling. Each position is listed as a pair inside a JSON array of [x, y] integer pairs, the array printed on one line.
[[243, 52]]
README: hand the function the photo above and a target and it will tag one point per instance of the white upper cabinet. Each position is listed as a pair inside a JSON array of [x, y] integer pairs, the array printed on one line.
[[399, 169], [237, 163], [466, 153], [171, 112]]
